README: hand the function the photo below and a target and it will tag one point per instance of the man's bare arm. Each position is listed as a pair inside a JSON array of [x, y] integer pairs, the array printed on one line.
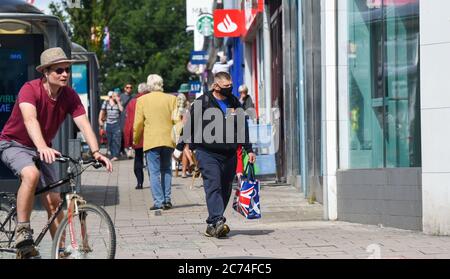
[[85, 127]]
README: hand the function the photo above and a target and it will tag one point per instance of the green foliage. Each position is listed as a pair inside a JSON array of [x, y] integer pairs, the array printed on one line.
[[147, 37]]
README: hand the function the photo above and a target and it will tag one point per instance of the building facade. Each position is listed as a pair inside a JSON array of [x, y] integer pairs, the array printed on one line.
[[354, 94]]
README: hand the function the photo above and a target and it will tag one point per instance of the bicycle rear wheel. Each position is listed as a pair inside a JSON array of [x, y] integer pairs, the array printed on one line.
[[89, 235], [7, 227]]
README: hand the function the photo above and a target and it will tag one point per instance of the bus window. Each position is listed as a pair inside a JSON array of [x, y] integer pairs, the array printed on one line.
[[19, 55]]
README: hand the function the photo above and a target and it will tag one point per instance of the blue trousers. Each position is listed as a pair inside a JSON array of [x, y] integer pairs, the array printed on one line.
[[218, 172], [159, 165], [114, 136]]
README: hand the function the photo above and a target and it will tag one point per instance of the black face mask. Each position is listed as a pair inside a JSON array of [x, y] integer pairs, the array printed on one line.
[[227, 92]]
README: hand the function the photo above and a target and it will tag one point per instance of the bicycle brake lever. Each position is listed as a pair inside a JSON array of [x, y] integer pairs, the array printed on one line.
[[97, 165]]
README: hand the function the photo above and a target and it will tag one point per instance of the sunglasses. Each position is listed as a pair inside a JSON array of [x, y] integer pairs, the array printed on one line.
[[129, 87], [62, 70]]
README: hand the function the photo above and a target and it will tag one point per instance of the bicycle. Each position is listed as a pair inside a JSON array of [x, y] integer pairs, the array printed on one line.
[[86, 231]]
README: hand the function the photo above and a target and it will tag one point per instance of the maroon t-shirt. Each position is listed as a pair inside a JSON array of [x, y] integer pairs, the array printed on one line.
[[50, 113]]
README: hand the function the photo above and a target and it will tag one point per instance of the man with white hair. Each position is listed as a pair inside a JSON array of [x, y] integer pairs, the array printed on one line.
[[154, 120]]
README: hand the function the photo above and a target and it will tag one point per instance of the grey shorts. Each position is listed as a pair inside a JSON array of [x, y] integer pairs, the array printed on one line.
[[17, 156]]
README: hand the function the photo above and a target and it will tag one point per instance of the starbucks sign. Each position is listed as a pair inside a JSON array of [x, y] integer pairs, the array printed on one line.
[[205, 25]]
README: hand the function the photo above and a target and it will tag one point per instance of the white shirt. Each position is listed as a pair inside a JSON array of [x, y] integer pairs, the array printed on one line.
[[222, 67]]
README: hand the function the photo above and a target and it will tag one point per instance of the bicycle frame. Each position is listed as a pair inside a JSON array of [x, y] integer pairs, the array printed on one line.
[[2, 227], [69, 195]]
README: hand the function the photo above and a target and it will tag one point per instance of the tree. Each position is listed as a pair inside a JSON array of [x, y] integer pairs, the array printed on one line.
[[147, 37]]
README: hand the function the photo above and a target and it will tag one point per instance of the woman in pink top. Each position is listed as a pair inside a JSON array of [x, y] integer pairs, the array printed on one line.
[[128, 136]]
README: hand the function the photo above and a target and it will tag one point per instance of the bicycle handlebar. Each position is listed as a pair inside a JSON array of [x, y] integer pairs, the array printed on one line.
[[65, 159]]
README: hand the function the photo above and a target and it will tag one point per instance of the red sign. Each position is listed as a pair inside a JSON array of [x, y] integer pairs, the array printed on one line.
[[228, 23], [250, 9]]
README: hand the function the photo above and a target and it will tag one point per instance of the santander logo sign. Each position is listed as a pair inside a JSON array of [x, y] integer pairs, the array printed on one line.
[[227, 26], [228, 23]]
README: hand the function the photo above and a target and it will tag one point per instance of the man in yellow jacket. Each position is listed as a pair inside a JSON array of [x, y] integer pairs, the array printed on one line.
[[154, 120]]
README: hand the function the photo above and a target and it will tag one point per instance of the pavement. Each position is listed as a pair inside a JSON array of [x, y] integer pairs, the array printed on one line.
[[290, 228]]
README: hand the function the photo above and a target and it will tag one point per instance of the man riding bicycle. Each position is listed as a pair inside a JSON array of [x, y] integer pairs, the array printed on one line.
[[40, 109]]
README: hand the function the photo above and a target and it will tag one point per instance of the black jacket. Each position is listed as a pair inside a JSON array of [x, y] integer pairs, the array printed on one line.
[[228, 143]]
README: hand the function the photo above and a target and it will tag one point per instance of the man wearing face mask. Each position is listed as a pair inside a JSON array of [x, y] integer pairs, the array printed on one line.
[[216, 151]]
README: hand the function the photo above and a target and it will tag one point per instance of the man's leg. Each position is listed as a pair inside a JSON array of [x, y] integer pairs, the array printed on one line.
[[117, 137], [20, 160], [25, 196], [228, 174], [138, 167], [166, 175], [25, 201], [50, 201], [109, 138], [154, 171], [210, 168]]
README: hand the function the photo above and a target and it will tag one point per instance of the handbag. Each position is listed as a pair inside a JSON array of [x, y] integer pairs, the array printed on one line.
[[246, 196]]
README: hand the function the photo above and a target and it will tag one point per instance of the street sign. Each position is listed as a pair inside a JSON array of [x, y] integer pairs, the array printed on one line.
[[195, 87], [194, 8], [199, 57], [228, 23], [205, 24]]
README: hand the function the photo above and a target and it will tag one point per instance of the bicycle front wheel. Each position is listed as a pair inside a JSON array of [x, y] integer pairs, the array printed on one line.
[[89, 234]]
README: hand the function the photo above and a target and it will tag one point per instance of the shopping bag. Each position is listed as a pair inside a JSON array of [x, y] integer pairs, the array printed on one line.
[[246, 197], [102, 136]]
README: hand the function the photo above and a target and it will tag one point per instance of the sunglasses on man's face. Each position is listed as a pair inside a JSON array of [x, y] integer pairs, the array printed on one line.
[[129, 87], [59, 71]]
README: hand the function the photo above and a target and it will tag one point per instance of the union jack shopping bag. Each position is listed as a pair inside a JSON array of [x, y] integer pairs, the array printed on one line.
[[246, 198]]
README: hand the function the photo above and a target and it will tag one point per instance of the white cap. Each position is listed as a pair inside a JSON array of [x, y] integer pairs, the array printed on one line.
[[110, 93]]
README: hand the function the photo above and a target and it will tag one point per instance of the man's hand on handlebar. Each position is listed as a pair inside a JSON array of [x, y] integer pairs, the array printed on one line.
[[48, 155], [105, 161]]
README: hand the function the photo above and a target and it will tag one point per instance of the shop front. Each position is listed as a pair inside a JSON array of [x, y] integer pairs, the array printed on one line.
[[379, 181]]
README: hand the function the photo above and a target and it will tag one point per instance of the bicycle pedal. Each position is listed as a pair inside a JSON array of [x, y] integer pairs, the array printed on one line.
[[28, 252]]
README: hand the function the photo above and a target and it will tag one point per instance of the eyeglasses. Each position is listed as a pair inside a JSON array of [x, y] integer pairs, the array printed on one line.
[[59, 71], [129, 87]]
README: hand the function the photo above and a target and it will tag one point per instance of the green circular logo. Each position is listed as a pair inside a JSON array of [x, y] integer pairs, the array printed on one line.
[[205, 25]]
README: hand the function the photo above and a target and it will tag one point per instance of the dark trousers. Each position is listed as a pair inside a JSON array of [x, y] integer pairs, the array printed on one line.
[[218, 172], [139, 165]]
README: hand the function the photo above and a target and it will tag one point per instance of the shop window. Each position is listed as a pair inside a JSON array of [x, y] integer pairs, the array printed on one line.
[[383, 84]]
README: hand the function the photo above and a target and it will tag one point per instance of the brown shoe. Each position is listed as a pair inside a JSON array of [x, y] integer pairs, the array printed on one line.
[[24, 235], [24, 242], [27, 252], [225, 231]]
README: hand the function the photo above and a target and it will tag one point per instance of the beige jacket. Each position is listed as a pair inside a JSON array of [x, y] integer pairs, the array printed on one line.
[[154, 119]]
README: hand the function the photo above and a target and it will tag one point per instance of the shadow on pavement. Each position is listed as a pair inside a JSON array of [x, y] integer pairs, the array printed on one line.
[[101, 195], [249, 232], [188, 205]]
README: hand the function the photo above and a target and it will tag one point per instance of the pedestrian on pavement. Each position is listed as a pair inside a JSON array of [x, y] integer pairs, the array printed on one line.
[[125, 97], [222, 65], [41, 107], [245, 99], [217, 157], [187, 162], [154, 120], [112, 108], [128, 133]]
